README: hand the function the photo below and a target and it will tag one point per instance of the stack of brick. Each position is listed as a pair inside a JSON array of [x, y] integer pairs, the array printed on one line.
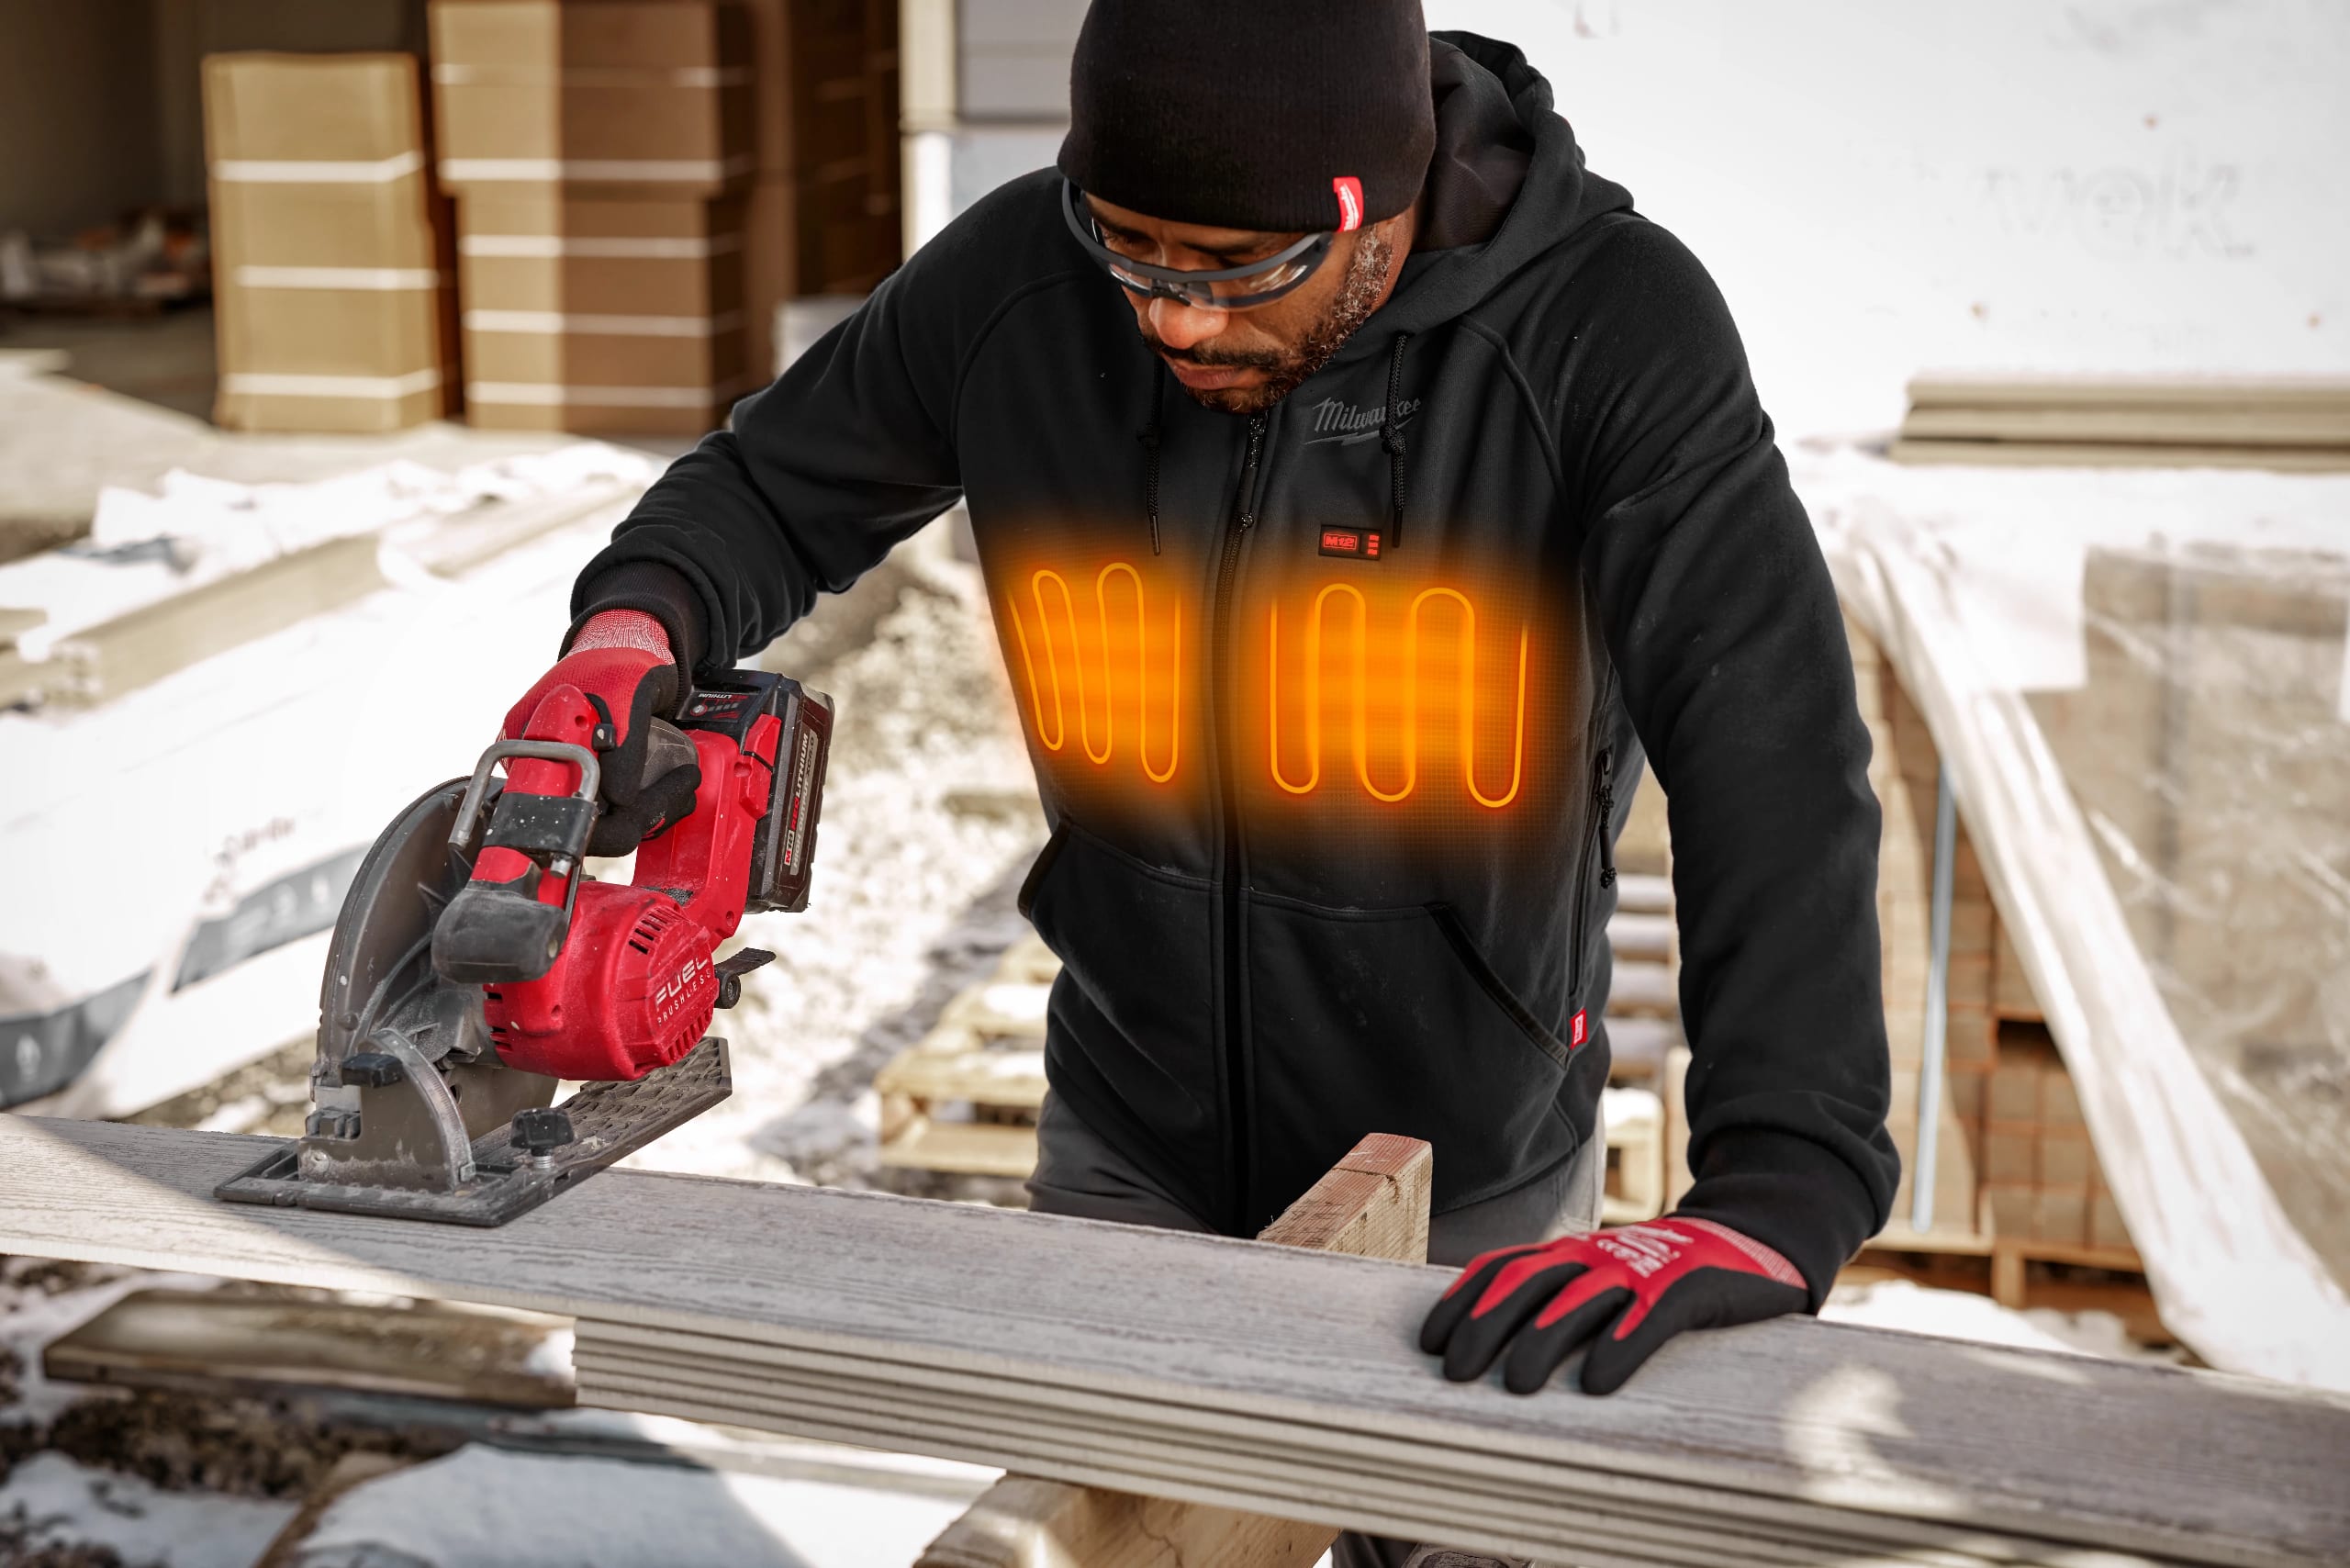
[[1903, 767], [2042, 1182], [2013, 1161], [599, 151], [334, 309]]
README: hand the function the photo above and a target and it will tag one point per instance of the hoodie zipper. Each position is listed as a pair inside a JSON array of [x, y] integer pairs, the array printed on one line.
[[1236, 1108], [1598, 839]]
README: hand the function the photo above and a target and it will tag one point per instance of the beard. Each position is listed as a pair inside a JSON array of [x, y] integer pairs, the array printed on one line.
[[1358, 296]]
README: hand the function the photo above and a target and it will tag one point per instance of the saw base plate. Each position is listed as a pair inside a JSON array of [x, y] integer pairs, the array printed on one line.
[[608, 1120]]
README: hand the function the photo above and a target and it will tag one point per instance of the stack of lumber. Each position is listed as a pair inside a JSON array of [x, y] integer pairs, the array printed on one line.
[[1259, 1378], [2072, 421], [335, 303]]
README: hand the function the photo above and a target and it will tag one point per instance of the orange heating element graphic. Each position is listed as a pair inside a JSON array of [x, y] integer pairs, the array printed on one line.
[[1112, 676], [1391, 708]]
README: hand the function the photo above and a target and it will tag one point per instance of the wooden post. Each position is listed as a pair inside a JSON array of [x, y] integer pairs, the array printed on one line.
[[1373, 1203]]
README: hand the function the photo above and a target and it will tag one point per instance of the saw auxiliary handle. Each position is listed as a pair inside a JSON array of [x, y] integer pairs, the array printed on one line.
[[477, 962]]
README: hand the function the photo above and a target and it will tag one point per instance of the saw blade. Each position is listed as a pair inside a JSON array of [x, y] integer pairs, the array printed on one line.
[[379, 960]]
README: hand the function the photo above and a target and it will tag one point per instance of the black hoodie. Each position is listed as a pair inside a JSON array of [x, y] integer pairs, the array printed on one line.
[[1334, 710]]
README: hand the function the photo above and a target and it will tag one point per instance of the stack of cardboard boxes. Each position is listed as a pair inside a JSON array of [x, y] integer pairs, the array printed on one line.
[[2042, 1182], [600, 153], [334, 274]]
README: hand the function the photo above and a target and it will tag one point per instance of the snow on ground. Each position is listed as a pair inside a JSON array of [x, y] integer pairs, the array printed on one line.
[[41, 1300], [500, 1509], [1911, 1308], [50, 1502]]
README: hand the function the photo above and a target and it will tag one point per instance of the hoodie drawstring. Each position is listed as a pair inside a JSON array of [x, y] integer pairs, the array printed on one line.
[[1149, 439], [1391, 436]]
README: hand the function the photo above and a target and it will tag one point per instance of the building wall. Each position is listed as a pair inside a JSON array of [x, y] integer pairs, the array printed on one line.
[[78, 122], [100, 102], [2101, 186], [184, 31]]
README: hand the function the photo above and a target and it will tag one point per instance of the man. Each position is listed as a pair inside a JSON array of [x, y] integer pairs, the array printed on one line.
[[1363, 487]]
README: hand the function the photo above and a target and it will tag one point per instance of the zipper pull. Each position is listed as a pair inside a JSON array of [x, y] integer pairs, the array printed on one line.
[[1606, 815]]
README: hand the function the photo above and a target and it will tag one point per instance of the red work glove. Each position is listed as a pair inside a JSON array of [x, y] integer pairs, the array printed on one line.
[[622, 662], [1625, 1291]]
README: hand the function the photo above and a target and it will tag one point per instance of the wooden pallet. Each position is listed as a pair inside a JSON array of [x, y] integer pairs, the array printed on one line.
[[1637, 1179], [964, 1098]]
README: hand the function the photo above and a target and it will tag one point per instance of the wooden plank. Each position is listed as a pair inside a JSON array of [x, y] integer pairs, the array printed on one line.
[[216, 1342], [1023, 1522], [2077, 455], [1373, 1203], [1880, 1433], [957, 1064], [968, 1148], [2189, 425], [1746, 1530], [1997, 391]]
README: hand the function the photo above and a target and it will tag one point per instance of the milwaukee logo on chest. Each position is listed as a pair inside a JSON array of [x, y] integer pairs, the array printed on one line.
[[1360, 543]]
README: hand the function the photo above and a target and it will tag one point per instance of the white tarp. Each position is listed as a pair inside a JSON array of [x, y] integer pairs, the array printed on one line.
[[2136, 679]]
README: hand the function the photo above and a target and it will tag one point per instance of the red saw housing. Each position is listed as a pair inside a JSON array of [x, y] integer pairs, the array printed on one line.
[[635, 986]]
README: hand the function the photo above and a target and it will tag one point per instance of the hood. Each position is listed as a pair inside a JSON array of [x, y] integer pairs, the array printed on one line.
[[1506, 185]]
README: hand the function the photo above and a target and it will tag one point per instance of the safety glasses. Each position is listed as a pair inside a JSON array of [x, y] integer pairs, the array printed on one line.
[[1226, 288]]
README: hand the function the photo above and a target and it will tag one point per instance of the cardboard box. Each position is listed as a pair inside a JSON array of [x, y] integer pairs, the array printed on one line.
[[2011, 993], [1968, 1090], [2107, 1232], [2060, 1101], [2010, 1154], [621, 96], [1969, 1036], [2015, 1083], [334, 307], [609, 316], [2061, 1218], [2064, 1158], [1954, 1175], [548, 252], [330, 359], [2010, 1210]]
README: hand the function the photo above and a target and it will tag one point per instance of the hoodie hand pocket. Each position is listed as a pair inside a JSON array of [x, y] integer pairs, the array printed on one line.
[[1391, 1021]]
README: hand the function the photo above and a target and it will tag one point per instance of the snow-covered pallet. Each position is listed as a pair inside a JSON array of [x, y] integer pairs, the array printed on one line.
[[964, 1098]]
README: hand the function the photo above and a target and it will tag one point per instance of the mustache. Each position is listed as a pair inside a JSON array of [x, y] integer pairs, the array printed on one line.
[[1210, 358]]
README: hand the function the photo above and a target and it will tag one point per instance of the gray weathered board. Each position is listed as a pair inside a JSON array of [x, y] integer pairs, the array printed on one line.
[[1289, 1355]]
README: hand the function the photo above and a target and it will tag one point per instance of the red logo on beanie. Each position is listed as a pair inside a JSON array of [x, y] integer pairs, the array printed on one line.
[[1350, 193]]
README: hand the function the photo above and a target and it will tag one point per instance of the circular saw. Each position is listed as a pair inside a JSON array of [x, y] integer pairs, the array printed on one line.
[[477, 964]]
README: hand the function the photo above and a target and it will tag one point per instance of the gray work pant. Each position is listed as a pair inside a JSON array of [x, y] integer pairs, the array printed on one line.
[[1080, 1172]]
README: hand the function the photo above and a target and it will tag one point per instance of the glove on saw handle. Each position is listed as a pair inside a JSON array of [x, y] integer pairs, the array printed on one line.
[[1624, 1291], [620, 662]]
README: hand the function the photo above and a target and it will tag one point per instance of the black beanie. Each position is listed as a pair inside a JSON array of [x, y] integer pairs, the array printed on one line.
[[1277, 115]]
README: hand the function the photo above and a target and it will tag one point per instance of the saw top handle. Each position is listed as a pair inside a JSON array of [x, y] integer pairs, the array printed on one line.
[[591, 777]]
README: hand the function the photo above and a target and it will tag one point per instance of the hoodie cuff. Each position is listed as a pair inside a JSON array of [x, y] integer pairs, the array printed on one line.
[[663, 593], [1789, 1193]]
